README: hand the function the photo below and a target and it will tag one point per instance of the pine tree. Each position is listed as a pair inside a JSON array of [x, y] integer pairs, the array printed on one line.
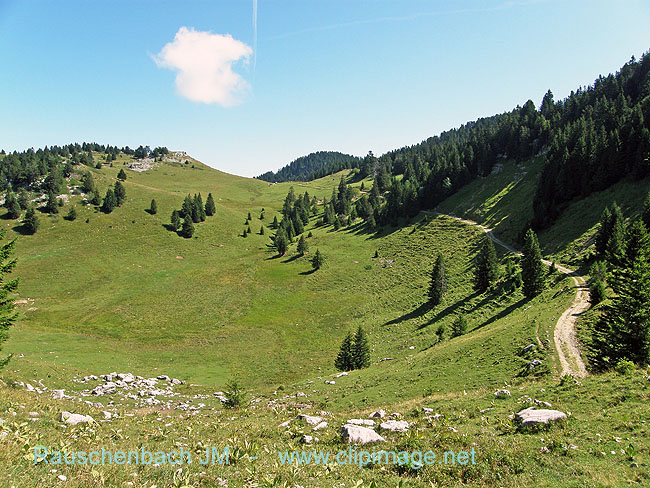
[[51, 206], [12, 206], [249, 217], [188, 227], [281, 242], [176, 220], [615, 247], [7, 314], [72, 214], [248, 230], [486, 271], [196, 210], [153, 209], [121, 175], [302, 246], [200, 207], [344, 360], [275, 224], [459, 326], [120, 193], [186, 209], [297, 225], [645, 216], [23, 200], [317, 261], [604, 231], [96, 198], [261, 230], [532, 268], [360, 350], [87, 183], [109, 202], [210, 207], [438, 286], [31, 222]]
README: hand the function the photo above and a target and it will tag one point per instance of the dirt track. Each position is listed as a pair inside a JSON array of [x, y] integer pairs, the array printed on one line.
[[564, 334]]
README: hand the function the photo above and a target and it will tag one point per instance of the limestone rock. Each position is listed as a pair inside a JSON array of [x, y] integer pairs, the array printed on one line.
[[360, 435]]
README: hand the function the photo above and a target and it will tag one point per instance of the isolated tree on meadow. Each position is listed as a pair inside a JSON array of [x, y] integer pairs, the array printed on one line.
[[459, 326], [302, 246], [52, 206], [486, 271], [275, 224], [121, 175], [72, 214], [360, 350], [261, 230], [153, 209], [345, 360], [210, 207], [109, 202], [96, 198], [281, 242], [87, 183], [176, 220], [120, 193], [31, 222], [438, 286], [532, 267], [7, 314], [12, 206], [188, 227], [317, 261]]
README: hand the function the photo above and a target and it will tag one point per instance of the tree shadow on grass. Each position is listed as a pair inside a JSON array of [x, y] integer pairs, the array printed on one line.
[[292, 258], [22, 230], [503, 313], [451, 309], [305, 273], [418, 312]]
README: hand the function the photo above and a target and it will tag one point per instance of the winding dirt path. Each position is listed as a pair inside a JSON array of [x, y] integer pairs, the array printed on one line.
[[564, 334]]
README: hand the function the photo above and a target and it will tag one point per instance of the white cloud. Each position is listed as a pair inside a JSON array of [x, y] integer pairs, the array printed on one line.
[[204, 62]]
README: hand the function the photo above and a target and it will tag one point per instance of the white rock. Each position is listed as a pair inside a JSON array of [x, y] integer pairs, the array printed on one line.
[[360, 435], [75, 418], [163, 377], [284, 425], [320, 426], [328, 382], [311, 420], [395, 425], [361, 422], [107, 415], [532, 416], [29, 387], [307, 439], [378, 414], [62, 477], [344, 373], [58, 394], [502, 393]]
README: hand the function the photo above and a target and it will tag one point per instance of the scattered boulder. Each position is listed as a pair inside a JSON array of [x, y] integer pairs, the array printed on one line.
[[395, 425], [359, 435], [58, 394], [29, 387], [107, 415], [532, 416], [361, 422], [310, 419], [307, 439], [75, 418], [328, 382], [284, 425], [502, 393], [533, 364], [107, 388], [378, 414], [528, 348], [320, 426], [344, 373]]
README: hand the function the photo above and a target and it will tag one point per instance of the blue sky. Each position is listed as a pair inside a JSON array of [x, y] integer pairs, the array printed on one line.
[[343, 75]]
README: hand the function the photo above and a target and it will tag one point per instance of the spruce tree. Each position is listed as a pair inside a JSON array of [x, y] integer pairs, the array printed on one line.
[[23, 200], [12, 206], [360, 350], [109, 202], [120, 193], [438, 286], [7, 314], [645, 216], [275, 224], [186, 209], [615, 247], [317, 261], [302, 246], [486, 271], [87, 183], [459, 326], [196, 211], [188, 227], [532, 268], [72, 214], [249, 217], [261, 230], [201, 208], [121, 175], [176, 220], [604, 231], [210, 207], [51, 206], [153, 209], [281, 242], [248, 230], [31, 222], [344, 360], [96, 198]]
